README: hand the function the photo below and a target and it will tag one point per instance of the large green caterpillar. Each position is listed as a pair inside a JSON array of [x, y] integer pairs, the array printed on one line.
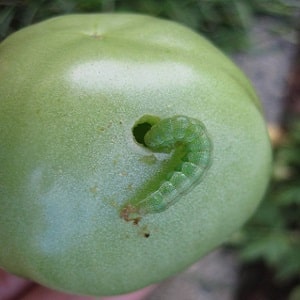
[[191, 137]]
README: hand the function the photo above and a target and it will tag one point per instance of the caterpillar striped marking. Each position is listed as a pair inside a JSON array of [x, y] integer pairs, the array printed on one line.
[[186, 137]]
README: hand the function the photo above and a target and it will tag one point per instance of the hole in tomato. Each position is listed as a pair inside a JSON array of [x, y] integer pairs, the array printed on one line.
[[142, 126]]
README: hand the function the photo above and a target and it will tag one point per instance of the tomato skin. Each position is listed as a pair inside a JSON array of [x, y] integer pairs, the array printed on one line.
[[71, 90]]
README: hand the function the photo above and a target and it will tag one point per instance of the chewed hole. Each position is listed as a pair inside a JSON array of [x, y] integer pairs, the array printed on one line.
[[142, 126], [139, 132]]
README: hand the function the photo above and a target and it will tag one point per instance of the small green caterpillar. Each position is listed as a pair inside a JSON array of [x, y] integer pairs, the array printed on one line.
[[191, 137]]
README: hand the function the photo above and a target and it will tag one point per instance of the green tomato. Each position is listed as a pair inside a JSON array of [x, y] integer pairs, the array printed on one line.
[[78, 94]]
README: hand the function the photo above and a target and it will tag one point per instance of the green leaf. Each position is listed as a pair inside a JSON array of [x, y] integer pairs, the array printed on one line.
[[295, 293], [6, 16], [289, 265], [271, 248]]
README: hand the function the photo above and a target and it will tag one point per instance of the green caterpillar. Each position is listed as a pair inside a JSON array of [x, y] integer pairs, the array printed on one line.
[[196, 147]]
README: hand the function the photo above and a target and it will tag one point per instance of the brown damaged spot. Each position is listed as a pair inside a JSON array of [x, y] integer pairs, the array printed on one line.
[[130, 187], [130, 214], [94, 190], [97, 36], [144, 231]]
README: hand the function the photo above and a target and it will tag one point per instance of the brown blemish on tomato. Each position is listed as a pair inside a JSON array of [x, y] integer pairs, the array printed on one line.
[[130, 187], [97, 36], [144, 231], [130, 214]]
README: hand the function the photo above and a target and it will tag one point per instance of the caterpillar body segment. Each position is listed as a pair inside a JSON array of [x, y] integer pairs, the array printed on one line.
[[169, 134]]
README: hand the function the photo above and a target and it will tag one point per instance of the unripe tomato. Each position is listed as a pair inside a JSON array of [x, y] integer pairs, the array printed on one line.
[[78, 94]]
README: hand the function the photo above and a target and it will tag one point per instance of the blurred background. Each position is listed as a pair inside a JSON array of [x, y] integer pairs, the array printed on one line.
[[262, 260]]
